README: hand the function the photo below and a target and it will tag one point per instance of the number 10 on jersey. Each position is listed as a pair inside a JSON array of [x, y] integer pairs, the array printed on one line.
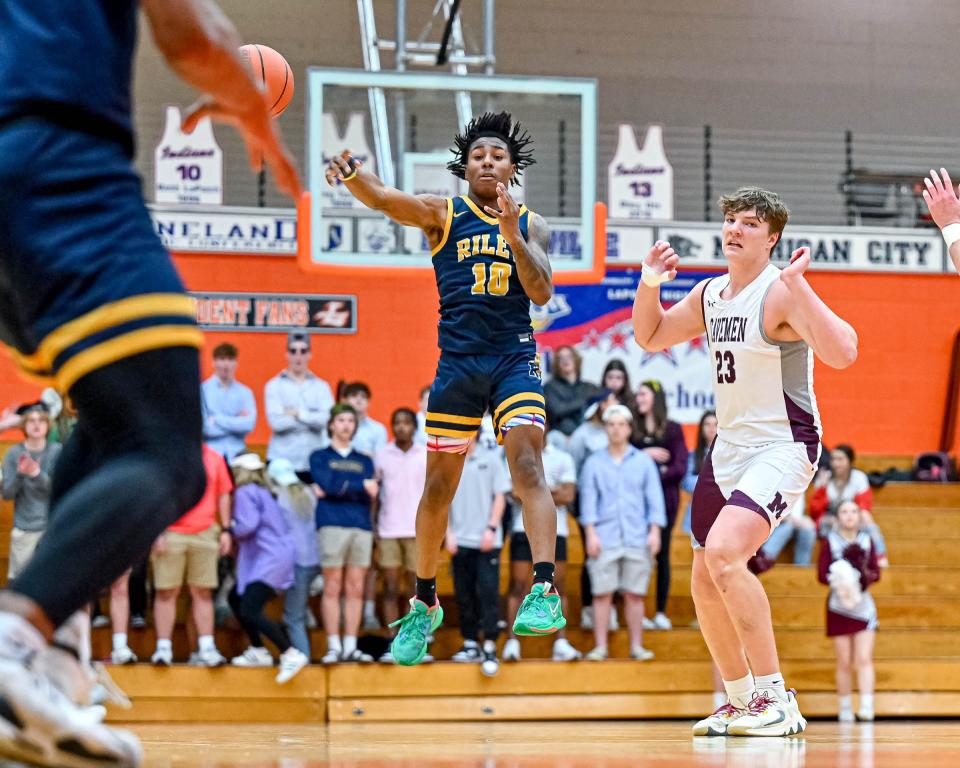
[[499, 282], [726, 370]]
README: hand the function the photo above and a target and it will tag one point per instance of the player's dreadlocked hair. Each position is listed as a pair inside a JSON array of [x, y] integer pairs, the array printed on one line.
[[501, 126]]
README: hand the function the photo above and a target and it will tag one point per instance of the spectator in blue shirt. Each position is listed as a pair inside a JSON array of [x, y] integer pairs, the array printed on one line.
[[229, 408], [345, 487], [622, 512]]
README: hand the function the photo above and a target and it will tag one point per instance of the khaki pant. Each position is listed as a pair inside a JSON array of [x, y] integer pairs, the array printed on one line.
[[189, 558], [396, 553], [22, 546]]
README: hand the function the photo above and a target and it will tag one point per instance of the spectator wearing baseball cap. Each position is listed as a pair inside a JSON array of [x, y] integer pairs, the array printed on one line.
[[622, 512], [298, 406]]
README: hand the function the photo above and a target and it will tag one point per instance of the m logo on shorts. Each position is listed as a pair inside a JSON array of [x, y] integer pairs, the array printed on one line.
[[778, 506], [535, 367]]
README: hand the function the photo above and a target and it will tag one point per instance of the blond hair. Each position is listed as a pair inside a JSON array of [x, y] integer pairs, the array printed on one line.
[[243, 476], [770, 208]]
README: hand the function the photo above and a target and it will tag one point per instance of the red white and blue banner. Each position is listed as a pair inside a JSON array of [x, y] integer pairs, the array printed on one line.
[[595, 320]]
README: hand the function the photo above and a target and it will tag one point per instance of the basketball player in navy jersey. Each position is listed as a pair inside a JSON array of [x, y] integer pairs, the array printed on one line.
[[763, 325], [490, 258], [90, 301]]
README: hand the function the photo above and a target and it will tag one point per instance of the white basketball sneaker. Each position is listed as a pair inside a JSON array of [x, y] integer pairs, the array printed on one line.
[[511, 649], [39, 723], [717, 723], [770, 716]]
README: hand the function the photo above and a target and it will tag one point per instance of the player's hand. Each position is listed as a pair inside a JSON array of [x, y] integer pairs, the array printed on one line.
[[341, 166], [260, 134], [653, 540], [799, 263], [941, 198], [508, 215], [663, 259]]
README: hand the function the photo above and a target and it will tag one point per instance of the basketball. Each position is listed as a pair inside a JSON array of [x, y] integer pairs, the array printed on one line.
[[272, 70]]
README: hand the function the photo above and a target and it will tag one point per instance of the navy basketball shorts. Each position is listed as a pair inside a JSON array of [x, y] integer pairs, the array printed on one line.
[[468, 385], [84, 279]]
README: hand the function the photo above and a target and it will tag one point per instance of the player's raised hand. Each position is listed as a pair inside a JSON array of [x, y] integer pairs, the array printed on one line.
[[941, 198], [799, 263], [259, 132], [509, 213], [340, 167], [663, 259]]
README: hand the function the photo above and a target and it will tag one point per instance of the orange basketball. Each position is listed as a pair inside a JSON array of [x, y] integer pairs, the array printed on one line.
[[272, 70]]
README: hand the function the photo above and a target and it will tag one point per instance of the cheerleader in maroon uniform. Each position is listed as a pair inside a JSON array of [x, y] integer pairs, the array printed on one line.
[[848, 564]]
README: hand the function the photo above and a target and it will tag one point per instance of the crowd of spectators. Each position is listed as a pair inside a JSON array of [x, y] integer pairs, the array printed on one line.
[[332, 512]]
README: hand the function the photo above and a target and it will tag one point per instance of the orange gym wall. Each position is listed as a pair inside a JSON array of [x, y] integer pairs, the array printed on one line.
[[890, 402]]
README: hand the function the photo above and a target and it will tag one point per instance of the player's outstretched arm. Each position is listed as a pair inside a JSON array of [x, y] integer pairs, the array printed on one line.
[[944, 206], [201, 45], [793, 311], [530, 255], [653, 327], [426, 212]]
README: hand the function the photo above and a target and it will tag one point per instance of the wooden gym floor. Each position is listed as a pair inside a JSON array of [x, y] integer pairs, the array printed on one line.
[[559, 745]]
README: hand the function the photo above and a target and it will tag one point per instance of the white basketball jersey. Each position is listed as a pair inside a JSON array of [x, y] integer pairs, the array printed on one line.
[[763, 387]]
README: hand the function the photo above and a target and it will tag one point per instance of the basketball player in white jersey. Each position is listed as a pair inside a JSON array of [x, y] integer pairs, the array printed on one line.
[[763, 326], [944, 206]]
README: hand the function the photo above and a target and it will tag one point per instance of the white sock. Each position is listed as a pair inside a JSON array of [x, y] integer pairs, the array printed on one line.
[[164, 645], [845, 703], [489, 646], [866, 703], [119, 640], [740, 691], [205, 644], [772, 684], [333, 643], [719, 699], [349, 644]]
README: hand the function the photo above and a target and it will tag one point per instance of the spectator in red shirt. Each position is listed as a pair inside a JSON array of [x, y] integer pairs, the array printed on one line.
[[188, 552]]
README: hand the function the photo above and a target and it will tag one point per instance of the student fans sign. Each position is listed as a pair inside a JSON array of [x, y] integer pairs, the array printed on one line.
[[276, 313], [595, 319]]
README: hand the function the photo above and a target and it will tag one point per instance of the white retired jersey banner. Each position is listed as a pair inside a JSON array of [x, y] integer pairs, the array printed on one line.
[[640, 179], [354, 138], [595, 319], [188, 168]]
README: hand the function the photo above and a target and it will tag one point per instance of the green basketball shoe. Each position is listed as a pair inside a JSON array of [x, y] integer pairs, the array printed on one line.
[[540, 612], [410, 645]]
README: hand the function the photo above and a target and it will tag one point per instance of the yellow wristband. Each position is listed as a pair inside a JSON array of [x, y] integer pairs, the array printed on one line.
[[351, 176]]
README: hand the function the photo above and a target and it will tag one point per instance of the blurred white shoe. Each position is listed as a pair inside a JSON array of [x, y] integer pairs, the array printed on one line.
[[563, 651], [292, 661], [253, 657], [511, 650], [123, 656], [641, 654], [162, 658], [209, 658], [660, 621], [586, 617], [648, 624]]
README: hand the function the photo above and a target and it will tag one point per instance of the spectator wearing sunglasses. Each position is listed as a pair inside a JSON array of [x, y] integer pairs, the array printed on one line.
[[298, 404]]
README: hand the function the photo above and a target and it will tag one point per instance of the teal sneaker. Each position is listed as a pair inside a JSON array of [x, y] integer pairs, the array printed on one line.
[[410, 645], [540, 613]]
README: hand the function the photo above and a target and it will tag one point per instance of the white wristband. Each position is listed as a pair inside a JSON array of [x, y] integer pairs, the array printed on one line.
[[650, 276], [951, 233]]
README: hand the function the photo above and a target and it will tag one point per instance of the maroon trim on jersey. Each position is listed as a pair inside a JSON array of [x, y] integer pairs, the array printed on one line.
[[740, 499], [803, 428], [703, 309], [707, 501]]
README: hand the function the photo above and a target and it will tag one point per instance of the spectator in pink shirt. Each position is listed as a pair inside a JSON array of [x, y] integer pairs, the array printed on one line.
[[401, 468]]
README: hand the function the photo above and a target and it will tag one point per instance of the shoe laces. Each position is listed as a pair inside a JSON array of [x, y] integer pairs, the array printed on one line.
[[413, 620], [728, 710], [536, 601], [759, 702]]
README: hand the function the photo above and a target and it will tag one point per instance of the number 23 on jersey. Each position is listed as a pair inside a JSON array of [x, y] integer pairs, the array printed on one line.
[[726, 367]]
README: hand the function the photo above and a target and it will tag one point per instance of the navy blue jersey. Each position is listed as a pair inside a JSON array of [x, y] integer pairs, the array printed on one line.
[[483, 307], [70, 62]]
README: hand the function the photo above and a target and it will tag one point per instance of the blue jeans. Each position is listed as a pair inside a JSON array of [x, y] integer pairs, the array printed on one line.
[[802, 547], [295, 607]]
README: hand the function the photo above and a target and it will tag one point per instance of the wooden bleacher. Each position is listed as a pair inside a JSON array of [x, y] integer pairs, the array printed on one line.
[[917, 658]]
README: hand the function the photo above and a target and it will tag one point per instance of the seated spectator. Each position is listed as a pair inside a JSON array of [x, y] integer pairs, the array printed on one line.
[[298, 406], [187, 552], [265, 559], [229, 408], [845, 483], [401, 469], [345, 487], [616, 378], [662, 440], [474, 540], [298, 503], [561, 477], [622, 512], [27, 473], [796, 526], [566, 394], [848, 563]]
